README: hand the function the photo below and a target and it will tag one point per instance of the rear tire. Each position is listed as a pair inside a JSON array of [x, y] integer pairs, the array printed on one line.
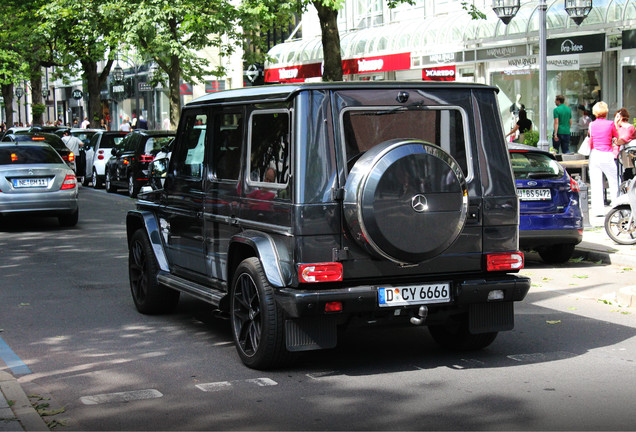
[[69, 220], [556, 254], [95, 183], [133, 188], [109, 184], [455, 336], [148, 295], [257, 321]]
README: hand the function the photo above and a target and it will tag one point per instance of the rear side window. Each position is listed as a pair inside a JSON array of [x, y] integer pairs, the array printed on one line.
[[20, 155], [365, 128], [269, 148], [190, 149], [226, 152], [529, 165]]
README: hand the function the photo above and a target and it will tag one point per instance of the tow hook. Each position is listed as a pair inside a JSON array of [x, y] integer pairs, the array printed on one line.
[[422, 313]]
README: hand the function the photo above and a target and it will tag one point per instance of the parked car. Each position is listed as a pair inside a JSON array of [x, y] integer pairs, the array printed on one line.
[[550, 220], [98, 154], [51, 139], [129, 165], [301, 209], [158, 169], [35, 180]]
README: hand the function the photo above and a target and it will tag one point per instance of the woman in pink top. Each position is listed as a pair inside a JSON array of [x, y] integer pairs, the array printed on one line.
[[603, 141], [626, 133]]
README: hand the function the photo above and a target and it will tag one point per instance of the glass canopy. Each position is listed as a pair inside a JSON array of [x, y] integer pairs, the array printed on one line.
[[455, 32]]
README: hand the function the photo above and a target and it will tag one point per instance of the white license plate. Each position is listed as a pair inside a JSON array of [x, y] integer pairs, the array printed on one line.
[[30, 182], [534, 194], [414, 295]]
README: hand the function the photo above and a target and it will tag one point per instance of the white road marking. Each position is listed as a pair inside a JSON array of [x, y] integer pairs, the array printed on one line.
[[220, 385], [121, 397]]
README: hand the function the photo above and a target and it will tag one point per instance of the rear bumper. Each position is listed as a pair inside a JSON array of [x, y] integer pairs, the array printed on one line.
[[547, 237], [59, 202], [302, 303]]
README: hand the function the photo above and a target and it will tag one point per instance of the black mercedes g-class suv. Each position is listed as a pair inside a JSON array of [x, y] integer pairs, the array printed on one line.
[[298, 209]]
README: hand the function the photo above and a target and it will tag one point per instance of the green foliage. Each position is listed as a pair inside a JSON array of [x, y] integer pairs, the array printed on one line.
[[473, 11], [531, 138], [37, 109]]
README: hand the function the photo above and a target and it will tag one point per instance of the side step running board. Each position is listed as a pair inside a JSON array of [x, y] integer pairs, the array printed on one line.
[[208, 295]]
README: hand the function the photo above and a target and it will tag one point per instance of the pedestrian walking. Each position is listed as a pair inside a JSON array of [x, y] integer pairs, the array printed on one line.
[[626, 133], [524, 124], [562, 124], [85, 123], [125, 126], [604, 145]]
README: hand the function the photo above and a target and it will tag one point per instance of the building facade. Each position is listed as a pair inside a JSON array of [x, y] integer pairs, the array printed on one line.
[[438, 40]]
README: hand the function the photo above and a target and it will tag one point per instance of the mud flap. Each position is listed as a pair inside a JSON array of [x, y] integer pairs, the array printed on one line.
[[491, 317], [305, 334]]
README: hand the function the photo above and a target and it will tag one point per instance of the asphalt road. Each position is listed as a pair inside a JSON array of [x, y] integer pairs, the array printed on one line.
[[66, 312]]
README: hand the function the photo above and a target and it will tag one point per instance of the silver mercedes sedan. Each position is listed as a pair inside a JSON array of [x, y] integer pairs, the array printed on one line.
[[35, 180]]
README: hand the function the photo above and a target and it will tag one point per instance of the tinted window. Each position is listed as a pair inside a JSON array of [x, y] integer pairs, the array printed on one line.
[[154, 144], [226, 153], [528, 165], [110, 141], [191, 147], [365, 128], [269, 147], [28, 155]]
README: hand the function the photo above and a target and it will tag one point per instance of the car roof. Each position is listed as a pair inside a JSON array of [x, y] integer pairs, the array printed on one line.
[[527, 148], [282, 92], [160, 133], [52, 139], [6, 144]]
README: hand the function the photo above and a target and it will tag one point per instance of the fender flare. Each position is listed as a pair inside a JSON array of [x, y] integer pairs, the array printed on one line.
[[278, 271], [136, 219]]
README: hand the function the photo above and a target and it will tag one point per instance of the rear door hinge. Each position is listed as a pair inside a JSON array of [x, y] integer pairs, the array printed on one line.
[[340, 254], [338, 194]]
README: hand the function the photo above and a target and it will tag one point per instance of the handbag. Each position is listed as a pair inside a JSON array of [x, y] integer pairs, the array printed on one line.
[[585, 147]]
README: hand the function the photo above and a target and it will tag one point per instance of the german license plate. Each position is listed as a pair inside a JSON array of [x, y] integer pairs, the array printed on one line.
[[534, 194], [30, 182], [414, 295]]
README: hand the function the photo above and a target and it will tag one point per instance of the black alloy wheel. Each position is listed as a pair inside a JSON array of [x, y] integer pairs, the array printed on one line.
[[109, 184], [257, 322], [149, 297]]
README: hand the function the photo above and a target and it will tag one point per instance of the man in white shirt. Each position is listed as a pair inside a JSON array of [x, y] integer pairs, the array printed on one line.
[[125, 126], [74, 144], [85, 123]]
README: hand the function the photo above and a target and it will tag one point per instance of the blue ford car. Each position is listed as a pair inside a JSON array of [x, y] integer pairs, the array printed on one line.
[[551, 221]]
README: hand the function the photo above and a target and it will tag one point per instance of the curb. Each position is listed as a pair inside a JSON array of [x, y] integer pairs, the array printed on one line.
[[22, 408]]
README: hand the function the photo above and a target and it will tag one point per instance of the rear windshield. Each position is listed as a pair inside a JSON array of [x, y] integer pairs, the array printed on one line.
[[110, 141], [19, 155], [154, 144], [529, 165], [366, 128]]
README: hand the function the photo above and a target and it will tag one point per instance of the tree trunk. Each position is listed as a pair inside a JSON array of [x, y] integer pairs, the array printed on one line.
[[174, 78], [7, 95], [93, 86], [330, 42], [36, 96]]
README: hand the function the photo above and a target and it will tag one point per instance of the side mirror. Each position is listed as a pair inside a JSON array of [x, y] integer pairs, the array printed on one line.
[[113, 151]]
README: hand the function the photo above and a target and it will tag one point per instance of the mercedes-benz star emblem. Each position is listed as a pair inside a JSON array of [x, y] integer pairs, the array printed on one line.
[[419, 203]]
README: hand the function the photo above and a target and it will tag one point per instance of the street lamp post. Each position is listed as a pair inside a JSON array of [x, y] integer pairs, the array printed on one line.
[[19, 92], [578, 10]]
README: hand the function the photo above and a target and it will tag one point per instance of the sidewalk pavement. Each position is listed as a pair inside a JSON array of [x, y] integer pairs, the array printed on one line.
[[16, 411], [597, 246]]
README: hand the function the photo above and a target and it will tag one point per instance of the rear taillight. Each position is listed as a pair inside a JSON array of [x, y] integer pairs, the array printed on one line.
[[100, 154], [71, 157], [504, 261], [574, 185], [146, 158], [321, 272], [69, 182]]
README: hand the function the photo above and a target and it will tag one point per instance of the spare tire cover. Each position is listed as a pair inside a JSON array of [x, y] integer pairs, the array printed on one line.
[[405, 200]]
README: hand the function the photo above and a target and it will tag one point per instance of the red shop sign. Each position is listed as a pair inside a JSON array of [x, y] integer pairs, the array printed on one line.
[[440, 73], [293, 74], [391, 62]]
